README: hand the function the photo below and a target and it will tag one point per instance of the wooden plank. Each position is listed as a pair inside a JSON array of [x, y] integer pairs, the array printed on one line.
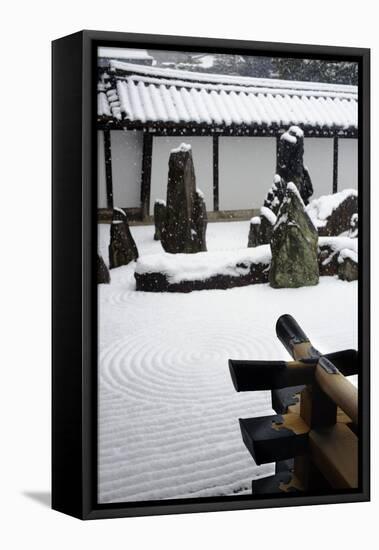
[[316, 408], [275, 438], [108, 168], [274, 375], [266, 375], [340, 390], [334, 451]]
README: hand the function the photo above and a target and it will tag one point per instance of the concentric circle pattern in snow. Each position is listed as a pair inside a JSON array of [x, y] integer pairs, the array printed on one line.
[[168, 412]]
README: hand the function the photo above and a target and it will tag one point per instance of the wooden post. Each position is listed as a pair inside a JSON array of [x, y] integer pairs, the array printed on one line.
[[335, 164], [108, 168], [277, 153], [147, 152], [215, 173]]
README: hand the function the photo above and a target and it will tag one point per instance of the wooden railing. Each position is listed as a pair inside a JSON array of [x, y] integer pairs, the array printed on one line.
[[313, 438]]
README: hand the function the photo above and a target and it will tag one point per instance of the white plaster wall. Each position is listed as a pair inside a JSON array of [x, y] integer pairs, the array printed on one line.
[[347, 164], [126, 149], [246, 170], [318, 158], [202, 153], [126, 167], [101, 187]]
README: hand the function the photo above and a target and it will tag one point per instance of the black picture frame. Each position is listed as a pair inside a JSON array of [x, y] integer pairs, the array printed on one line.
[[74, 332]]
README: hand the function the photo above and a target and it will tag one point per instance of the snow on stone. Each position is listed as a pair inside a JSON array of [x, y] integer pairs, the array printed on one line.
[[292, 187], [160, 201], [168, 411], [347, 253], [203, 265], [297, 131], [268, 214], [255, 221], [342, 247], [119, 210], [182, 148], [339, 243], [320, 209], [200, 193], [288, 137], [177, 95]]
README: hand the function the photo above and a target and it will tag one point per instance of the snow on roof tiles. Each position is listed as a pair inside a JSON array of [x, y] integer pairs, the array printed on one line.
[[123, 53], [149, 94]]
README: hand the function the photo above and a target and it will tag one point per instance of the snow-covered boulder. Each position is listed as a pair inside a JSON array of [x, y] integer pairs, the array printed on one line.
[[334, 214], [348, 265], [332, 252], [293, 245], [205, 270]]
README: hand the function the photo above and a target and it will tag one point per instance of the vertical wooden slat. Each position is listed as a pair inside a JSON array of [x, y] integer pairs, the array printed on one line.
[[215, 173], [147, 153], [335, 164], [108, 167]]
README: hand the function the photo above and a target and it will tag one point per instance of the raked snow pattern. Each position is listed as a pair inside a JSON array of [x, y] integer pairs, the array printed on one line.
[[168, 412]]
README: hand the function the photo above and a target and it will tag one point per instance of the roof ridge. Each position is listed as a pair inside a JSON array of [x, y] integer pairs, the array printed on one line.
[[243, 81]]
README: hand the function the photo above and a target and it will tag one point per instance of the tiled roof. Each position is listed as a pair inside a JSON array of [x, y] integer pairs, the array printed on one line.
[[148, 94]]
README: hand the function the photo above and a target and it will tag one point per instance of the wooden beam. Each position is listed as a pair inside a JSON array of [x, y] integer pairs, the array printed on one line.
[[277, 153], [340, 390], [147, 152], [215, 173], [334, 451], [108, 167], [335, 164], [169, 128]]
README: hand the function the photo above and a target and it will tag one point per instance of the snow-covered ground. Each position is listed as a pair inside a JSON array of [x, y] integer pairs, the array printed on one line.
[[168, 412]]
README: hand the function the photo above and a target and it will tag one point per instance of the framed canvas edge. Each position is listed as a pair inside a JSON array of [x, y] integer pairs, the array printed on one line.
[[86, 506]]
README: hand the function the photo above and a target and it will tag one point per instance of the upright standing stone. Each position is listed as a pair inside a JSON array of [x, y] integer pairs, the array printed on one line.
[[293, 245], [290, 168], [290, 164], [159, 218], [103, 276], [122, 247], [185, 222], [200, 221]]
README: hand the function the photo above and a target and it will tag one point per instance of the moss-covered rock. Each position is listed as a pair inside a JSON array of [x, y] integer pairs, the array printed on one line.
[[348, 268], [294, 245]]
